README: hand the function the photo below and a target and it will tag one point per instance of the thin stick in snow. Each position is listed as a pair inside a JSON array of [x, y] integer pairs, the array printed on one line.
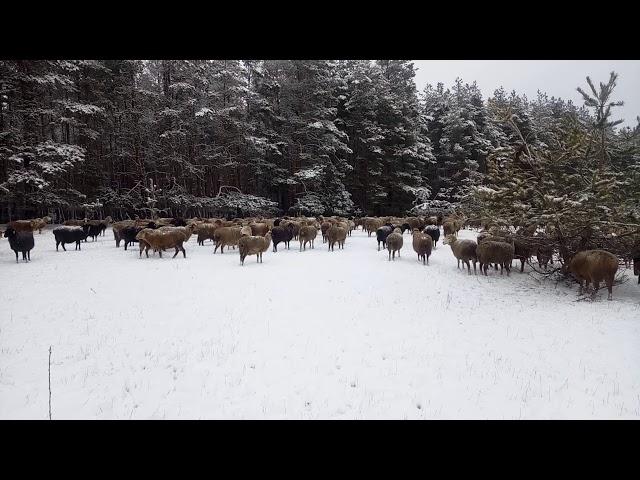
[[49, 382]]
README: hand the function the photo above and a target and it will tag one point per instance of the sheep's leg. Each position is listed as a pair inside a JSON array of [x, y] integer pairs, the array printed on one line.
[[16, 256], [522, 260], [610, 288], [474, 268], [177, 251], [501, 268]]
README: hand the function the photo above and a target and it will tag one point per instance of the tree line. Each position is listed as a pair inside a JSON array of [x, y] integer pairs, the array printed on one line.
[[348, 137]]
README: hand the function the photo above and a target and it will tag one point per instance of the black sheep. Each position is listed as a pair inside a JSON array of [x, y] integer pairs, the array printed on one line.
[[68, 234], [92, 231], [281, 234], [276, 222], [179, 222], [405, 227], [636, 267], [128, 234], [381, 235], [434, 232], [20, 242]]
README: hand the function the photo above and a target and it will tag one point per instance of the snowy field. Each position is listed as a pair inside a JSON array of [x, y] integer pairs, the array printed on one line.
[[306, 335]]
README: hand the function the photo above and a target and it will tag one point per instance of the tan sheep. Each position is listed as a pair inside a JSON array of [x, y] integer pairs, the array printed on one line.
[[394, 243], [39, 224], [500, 253], [188, 230], [159, 240], [253, 245], [594, 266], [308, 235], [463, 250], [226, 237], [324, 228], [422, 245], [336, 234]]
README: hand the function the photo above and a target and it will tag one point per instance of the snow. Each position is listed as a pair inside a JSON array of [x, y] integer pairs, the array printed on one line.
[[313, 334]]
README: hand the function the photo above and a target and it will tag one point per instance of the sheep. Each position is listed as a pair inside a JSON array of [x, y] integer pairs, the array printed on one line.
[[128, 234], [449, 228], [636, 267], [432, 221], [259, 229], [253, 245], [21, 225], [206, 231], [74, 223], [523, 250], [92, 230], [295, 227], [20, 241], [434, 232], [422, 244], [159, 240], [594, 266], [39, 224], [501, 253], [281, 235], [324, 228], [66, 234], [394, 243], [336, 234], [372, 224], [186, 230], [405, 227], [464, 250], [117, 228], [381, 235], [308, 235], [226, 237], [246, 231]]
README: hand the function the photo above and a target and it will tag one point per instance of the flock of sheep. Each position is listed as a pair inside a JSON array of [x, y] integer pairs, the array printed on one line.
[[254, 236]]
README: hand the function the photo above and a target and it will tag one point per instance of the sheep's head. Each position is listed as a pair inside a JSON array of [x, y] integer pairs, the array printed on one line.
[[449, 239], [9, 232]]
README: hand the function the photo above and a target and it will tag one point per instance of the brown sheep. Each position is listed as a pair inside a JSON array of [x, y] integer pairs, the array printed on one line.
[[21, 225], [253, 245], [226, 237], [449, 228], [500, 253], [259, 229], [336, 234], [394, 243], [422, 245], [159, 240], [206, 231], [594, 266], [306, 235], [464, 250]]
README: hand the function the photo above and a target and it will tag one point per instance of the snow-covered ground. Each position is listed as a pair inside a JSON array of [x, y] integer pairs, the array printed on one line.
[[345, 334]]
